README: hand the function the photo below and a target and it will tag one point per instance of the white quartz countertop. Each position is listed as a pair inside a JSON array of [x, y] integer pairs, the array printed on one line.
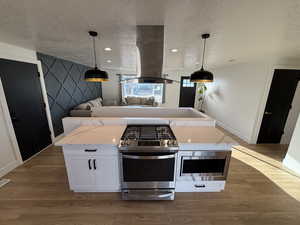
[[190, 137], [197, 134], [93, 135]]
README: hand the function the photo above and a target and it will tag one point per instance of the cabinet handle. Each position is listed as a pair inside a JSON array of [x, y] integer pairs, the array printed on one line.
[[90, 150], [199, 186], [95, 164], [90, 167]]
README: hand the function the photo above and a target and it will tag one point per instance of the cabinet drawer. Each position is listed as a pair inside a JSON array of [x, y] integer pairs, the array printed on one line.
[[90, 150], [200, 186]]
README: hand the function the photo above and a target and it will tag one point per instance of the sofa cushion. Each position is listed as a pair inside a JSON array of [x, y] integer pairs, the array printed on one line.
[[84, 106], [143, 101], [100, 100], [96, 103], [131, 100], [109, 102], [147, 101]]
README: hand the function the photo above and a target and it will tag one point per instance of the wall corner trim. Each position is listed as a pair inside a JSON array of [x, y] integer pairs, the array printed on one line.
[[233, 131], [9, 167], [290, 163], [57, 138]]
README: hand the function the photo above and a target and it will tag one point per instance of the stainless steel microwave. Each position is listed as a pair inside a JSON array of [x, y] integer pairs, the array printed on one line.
[[205, 165]]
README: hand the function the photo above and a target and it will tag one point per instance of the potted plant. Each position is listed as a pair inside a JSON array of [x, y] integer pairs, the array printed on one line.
[[201, 96]]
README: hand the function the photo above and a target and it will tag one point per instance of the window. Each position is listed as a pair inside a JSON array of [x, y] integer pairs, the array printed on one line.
[[187, 83], [142, 90]]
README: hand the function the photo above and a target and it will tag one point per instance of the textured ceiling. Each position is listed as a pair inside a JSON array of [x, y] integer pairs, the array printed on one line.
[[241, 30]]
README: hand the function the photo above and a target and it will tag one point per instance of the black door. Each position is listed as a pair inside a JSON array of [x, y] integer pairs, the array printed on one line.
[[187, 92], [26, 106], [278, 105]]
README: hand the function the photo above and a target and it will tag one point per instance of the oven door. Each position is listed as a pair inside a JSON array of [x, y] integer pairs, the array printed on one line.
[[148, 170], [206, 166]]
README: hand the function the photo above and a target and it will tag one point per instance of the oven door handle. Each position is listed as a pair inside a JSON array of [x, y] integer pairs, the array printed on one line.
[[148, 157]]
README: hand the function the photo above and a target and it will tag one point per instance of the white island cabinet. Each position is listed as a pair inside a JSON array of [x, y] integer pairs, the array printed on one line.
[[91, 158], [203, 159], [90, 171]]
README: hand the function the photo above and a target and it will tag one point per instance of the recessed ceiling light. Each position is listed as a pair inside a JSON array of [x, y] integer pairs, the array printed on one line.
[[108, 49], [174, 50], [108, 61]]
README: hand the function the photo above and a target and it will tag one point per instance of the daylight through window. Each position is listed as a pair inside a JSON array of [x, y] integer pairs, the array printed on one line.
[[143, 90]]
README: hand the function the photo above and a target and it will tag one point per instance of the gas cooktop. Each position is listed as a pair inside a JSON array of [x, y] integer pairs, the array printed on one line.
[[148, 138]]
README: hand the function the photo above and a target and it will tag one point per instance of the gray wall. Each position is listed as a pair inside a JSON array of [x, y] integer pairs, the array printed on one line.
[[65, 87]]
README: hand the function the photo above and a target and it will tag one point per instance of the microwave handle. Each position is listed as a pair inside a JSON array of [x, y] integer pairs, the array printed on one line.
[[148, 157], [193, 177]]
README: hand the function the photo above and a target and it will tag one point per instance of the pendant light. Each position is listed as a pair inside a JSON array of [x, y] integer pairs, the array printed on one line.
[[95, 74], [202, 76]]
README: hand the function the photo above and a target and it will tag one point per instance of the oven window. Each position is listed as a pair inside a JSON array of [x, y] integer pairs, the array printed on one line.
[[143, 170], [203, 165]]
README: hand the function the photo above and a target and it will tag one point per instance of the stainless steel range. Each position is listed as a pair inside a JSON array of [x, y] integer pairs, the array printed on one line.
[[148, 162]]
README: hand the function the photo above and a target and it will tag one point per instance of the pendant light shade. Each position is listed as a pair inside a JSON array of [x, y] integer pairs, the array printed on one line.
[[202, 76], [95, 74]]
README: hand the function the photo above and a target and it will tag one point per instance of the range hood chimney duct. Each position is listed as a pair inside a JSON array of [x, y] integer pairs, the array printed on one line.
[[150, 44]]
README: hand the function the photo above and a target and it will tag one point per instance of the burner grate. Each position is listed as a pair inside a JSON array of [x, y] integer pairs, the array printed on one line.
[[148, 133]]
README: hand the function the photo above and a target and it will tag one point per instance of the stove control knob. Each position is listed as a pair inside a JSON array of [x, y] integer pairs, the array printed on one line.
[[170, 142], [174, 142]]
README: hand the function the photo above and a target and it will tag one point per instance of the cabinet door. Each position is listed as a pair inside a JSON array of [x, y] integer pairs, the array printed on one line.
[[80, 173], [107, 173]]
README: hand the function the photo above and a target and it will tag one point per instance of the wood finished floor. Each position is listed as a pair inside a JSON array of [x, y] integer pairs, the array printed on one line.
[[257, 192]]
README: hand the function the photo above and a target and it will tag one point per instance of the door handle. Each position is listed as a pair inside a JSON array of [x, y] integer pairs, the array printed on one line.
[[94, 161], [89, 161], [199, 186], [14, 119], [268, 113]]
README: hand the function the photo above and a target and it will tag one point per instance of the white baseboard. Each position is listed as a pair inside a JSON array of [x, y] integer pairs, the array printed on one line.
[[4, 182], [233, 131], [290, 163], [57, 138], [9, 167], [36, 154], [14, 164]]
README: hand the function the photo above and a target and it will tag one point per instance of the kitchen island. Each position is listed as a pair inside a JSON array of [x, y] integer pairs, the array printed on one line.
[[93, 163]]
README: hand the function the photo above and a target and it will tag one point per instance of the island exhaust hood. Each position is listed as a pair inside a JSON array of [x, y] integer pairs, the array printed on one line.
[[150, 45]]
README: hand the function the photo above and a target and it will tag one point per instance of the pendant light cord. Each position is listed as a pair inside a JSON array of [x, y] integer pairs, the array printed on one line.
[[203, 54], [95, 56]]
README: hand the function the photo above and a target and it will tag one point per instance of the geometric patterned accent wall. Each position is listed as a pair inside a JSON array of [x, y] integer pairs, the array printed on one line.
[[66, 87]]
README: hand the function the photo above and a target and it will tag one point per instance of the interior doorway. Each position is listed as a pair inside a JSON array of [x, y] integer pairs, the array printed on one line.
[[187, 92], [292, 118], [279, 105], [22, 88]]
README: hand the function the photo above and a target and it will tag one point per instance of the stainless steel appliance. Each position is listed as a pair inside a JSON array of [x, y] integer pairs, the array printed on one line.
[[205, 165], [148, 162]]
